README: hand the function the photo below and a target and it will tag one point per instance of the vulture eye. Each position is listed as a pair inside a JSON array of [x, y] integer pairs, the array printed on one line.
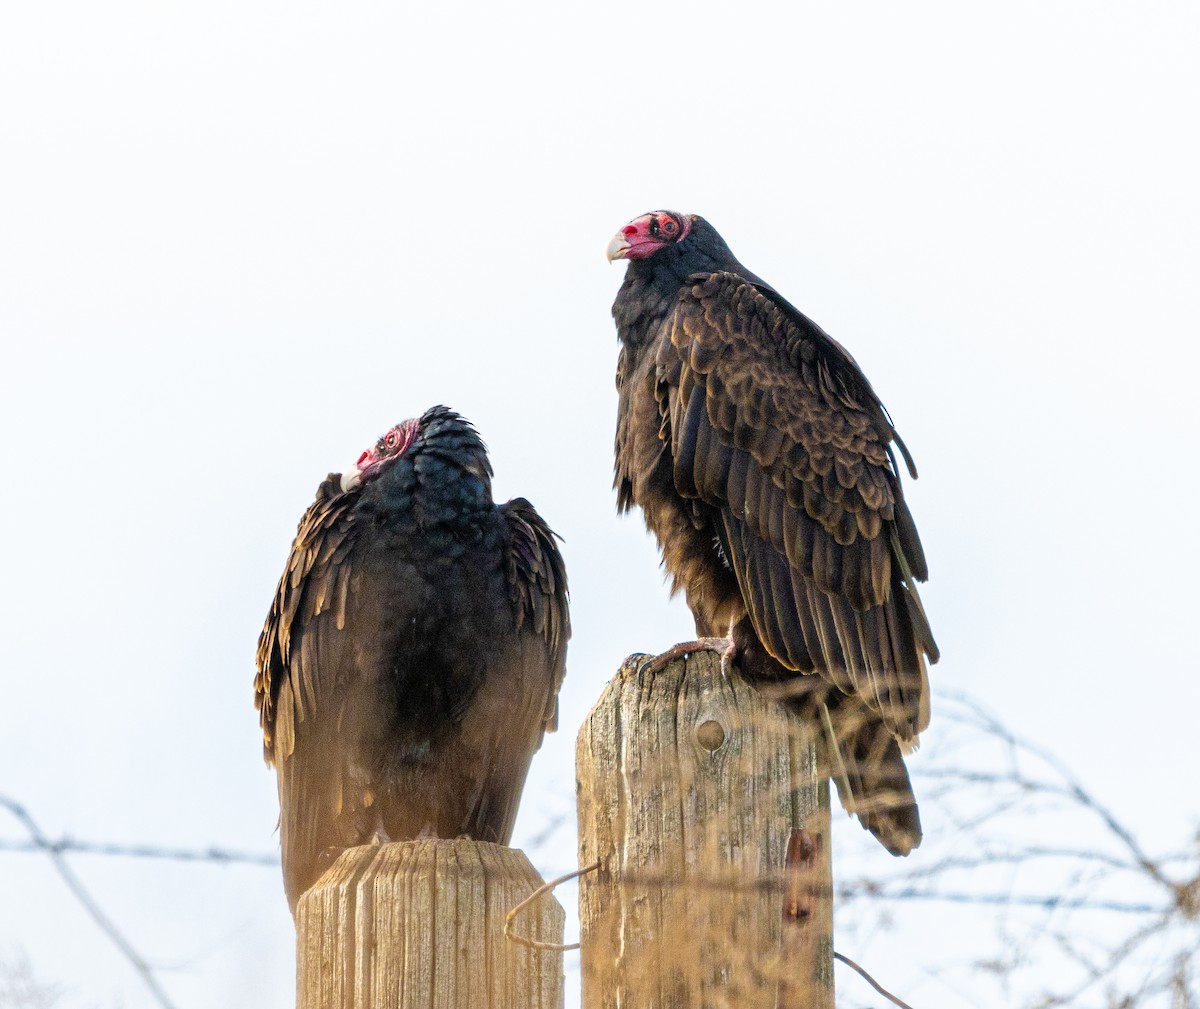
[[392, 439], [669, 226]]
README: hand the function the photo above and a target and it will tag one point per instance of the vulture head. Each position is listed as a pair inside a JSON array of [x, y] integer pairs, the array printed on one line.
[[379, 456], [674, 244], [642, 237], [440, 450]]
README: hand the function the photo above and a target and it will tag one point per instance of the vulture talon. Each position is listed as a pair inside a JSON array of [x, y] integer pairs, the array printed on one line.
[[657, 663]]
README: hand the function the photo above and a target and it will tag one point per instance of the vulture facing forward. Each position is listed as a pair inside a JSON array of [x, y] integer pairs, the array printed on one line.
[[412, 657], [761, 459]]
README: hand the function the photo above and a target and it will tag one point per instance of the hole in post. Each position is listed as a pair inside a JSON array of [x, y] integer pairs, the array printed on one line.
[[710, 735]]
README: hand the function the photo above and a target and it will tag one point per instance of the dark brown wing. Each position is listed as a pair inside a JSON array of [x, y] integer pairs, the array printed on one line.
[[517, 700], [301, 649], [314, 589], [772, 423], [537, 581]]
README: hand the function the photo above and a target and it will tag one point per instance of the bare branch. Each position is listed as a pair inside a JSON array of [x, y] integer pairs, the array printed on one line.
[[871, 981]]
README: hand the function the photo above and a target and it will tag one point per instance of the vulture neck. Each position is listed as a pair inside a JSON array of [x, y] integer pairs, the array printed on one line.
[[442, 481], [651, 287], [648, 294]]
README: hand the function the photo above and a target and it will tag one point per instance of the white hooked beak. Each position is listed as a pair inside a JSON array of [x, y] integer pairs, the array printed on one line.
[[617, 247], [351, 479]]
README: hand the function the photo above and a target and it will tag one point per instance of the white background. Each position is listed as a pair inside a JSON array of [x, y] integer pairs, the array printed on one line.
[[240, 240]]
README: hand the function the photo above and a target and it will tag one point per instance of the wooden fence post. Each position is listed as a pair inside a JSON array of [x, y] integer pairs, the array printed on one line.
[[692, 787], [421, 924]]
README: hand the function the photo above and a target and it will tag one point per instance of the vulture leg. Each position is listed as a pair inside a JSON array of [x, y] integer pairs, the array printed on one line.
[[722, 646]]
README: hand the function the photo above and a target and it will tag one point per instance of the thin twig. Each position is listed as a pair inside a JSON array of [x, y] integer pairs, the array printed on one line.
[[989, 858], [1072, 786], [89, 905], [871, 981], [1002, 900], [543, 889], [1113, 959]]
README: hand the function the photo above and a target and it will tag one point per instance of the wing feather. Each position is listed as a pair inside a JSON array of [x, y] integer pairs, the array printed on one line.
[[537, 581], [315, 580], [771, 422], [693, 422], [792, 635]]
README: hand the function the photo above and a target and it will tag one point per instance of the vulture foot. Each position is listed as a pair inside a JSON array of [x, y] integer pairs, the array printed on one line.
[[722, 646]]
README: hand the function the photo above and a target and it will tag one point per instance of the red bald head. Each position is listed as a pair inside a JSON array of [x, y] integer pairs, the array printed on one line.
[[645, 235], [391, 446]]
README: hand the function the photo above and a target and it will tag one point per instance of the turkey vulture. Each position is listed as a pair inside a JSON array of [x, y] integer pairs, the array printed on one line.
[[761, 459], [413, 654]]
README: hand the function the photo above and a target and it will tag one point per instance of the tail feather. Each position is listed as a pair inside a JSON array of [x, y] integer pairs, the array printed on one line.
[[856, 748], [867, 767]]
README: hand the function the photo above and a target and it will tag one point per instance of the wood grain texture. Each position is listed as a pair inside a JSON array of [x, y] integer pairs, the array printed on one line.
[[421, 924], [690, 785]]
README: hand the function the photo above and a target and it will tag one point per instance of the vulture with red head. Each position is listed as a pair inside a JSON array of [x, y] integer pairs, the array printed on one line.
[[412, 658], [762, 461]]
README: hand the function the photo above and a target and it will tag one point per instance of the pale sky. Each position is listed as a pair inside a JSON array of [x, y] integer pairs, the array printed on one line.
[[240, 240]]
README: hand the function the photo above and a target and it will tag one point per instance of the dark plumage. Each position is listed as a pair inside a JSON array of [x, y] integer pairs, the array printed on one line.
[[413, 654], [761, 459]]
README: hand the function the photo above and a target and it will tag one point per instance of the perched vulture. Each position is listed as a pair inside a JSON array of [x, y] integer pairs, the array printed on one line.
[[413, 654], [761, 459]]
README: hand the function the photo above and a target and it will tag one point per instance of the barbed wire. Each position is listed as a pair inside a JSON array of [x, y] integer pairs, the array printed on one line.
[[71, 845], [1181, 903], [880, 890], [847, 891], [88, 903]]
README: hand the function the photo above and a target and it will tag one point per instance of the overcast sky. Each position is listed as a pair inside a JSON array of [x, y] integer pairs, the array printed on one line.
[[240, 240]]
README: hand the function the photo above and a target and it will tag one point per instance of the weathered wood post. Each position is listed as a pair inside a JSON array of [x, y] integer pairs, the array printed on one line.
[[421, 924], [692, 787]]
